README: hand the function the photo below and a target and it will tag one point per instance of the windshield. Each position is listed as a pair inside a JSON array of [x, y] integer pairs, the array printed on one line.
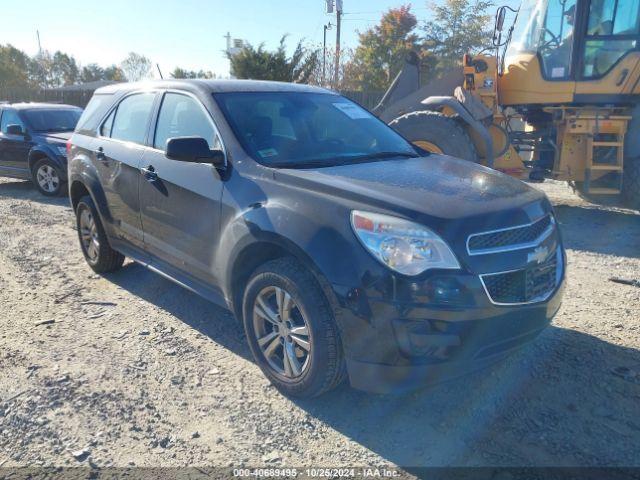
[[546, 27], [292, 129], [60, 120]]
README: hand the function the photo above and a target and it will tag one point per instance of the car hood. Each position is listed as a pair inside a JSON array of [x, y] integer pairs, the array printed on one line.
[[432, 188]]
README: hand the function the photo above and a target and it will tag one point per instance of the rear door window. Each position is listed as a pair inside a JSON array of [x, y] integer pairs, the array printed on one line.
[[131, 119]]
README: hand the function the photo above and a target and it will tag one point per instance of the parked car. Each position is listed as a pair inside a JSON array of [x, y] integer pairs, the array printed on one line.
[[342, 248], [33, 140]]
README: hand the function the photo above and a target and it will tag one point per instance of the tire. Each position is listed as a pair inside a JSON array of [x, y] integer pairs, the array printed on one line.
[[631, 173], [93, 240], [631, 182], [444, 132], [47, 178], [317, 369]]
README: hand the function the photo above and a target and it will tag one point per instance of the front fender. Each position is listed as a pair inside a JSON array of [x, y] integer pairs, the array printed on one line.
[[40, 151], [323, 249]]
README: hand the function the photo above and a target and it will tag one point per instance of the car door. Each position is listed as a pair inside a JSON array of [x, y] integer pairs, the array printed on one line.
[[180, 201], [117, 152], [14, 149]]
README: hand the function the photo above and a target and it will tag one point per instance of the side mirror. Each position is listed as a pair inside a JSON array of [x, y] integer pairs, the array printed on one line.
[[14, 129], [193, 149], [500, 20]]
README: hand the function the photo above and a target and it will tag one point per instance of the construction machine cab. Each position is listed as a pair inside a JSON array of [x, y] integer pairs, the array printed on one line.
[[580, 47]]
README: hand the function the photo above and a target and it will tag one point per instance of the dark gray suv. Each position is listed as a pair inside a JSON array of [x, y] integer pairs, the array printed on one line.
[[342, 248]]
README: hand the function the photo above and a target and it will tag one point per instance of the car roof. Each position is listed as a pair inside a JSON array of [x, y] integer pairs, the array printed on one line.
[[215, 86], [34, 106]]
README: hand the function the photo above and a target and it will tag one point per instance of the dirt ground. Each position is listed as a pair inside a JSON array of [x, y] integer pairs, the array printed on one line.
[[130, 369]]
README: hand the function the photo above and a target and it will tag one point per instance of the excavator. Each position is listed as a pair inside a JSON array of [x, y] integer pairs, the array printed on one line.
[[557, 96]]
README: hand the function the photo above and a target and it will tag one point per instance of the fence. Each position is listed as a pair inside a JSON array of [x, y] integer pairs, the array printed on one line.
[[367, 99], [79, 98]]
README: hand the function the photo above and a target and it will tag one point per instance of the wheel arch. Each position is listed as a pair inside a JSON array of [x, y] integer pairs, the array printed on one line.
[[38, 153], [85, 184], [252, 253]]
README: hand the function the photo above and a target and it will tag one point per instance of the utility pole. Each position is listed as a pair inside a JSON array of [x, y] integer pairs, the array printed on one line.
[[39, 45], [338, 21], [324, 53]]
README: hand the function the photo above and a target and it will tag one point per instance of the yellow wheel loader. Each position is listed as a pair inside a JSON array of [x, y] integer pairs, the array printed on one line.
[[559, 98]]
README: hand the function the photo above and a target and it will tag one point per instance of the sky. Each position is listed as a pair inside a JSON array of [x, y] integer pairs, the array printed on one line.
[[188, 33]]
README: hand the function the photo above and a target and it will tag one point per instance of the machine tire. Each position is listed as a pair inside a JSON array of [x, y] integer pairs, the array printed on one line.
[[436, 128], [631, 174], [631, 182]]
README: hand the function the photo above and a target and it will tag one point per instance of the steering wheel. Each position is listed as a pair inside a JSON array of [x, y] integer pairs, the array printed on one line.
[[554, 41]]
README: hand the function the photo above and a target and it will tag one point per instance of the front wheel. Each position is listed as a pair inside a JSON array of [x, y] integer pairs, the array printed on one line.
[[48, 178], [291, 330]]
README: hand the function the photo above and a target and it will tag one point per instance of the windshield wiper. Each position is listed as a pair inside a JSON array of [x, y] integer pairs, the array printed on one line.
[[373, 156], [331, 162]]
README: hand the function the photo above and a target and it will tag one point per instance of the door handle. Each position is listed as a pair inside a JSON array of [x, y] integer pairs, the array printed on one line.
[[622, 77], [149, 173], [100, 154]]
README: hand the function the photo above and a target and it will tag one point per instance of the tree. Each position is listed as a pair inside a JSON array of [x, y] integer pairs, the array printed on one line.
[[64, 69], [15, 67], [42, 70], [91, 73], [136, 67], [114, 74], [261, 64], [345, 77], [182, 73], [382, 49], [457, 27]]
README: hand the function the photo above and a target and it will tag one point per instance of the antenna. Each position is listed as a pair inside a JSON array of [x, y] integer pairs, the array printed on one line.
[[159, 71], [39, 45]]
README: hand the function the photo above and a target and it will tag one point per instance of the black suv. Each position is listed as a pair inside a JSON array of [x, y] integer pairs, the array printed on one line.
[[343, 249], [33, 139]]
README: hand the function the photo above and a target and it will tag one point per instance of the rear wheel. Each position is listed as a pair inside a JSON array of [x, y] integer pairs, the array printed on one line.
[[436, 133], [93, 240], [291, 330]]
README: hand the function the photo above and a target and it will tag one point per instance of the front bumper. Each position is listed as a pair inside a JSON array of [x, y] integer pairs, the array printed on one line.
[[397, 339]]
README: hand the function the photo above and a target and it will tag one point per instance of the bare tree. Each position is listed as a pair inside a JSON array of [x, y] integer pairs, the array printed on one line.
[[136, 67]]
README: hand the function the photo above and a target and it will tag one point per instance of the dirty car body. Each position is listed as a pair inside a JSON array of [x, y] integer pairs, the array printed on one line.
[[209, 227]]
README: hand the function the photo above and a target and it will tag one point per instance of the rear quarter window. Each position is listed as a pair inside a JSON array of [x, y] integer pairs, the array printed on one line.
[[93, 113]]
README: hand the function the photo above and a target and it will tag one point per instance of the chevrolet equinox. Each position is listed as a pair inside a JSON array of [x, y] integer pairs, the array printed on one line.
[[344, 249]]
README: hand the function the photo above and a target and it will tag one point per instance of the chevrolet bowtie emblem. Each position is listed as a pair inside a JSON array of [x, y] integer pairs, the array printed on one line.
[[539, 255]]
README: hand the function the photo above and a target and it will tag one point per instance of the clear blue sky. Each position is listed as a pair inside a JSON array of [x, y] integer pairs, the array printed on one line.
[[187, 33]]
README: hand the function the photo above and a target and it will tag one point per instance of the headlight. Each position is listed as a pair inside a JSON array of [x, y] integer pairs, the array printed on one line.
[[401, 245], [62, 151]]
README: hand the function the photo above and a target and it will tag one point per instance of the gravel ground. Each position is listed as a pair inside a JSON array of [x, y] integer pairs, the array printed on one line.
[[129, 369]]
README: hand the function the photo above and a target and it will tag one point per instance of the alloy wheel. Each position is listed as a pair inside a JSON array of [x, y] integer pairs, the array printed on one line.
[[282, 332], [89, 235], [48, 178]]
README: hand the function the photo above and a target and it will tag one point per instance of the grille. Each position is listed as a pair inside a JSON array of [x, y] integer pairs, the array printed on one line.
[[508, 237], [522, 286]]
